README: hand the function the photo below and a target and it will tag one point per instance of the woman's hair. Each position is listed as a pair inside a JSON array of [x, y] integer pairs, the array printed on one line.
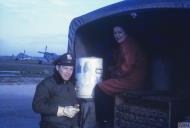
[[122, 25]]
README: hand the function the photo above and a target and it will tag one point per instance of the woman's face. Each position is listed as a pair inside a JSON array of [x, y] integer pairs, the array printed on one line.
[[119, 34]]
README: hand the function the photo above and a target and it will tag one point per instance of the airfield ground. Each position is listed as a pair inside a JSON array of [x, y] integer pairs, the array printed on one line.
[[26, 68], [18, 81]]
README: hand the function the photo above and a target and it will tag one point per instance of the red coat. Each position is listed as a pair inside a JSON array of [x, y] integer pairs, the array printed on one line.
[[129, 71]]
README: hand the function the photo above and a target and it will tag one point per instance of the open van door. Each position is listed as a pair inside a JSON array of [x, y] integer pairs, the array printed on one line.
[[161, 26]]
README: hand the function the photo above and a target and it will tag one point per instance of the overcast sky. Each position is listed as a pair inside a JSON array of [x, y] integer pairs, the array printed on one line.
[[32, 24]]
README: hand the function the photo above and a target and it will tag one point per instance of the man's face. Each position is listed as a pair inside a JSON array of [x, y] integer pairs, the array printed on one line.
[[119, 34], [65, 71]]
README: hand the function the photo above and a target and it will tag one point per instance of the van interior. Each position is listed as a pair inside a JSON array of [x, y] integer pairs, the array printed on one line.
[[162, 33]]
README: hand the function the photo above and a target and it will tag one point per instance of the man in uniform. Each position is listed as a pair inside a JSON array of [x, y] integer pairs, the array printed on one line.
[[55, 98]]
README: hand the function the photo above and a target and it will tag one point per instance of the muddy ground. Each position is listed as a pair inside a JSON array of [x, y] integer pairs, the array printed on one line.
[[18, 81], [16, 104]]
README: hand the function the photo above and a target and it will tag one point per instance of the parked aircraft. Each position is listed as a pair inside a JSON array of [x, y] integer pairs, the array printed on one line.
[[47, 56], [23, 56]]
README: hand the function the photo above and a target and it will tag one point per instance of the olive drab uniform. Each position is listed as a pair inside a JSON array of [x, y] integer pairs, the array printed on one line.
[[51, 93]]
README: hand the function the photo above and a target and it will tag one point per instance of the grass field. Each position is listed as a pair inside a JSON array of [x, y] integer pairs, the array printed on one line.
[[18, 72], [26, 68]]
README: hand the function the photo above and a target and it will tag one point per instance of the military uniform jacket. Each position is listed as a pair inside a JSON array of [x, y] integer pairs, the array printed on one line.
[[48, 96]]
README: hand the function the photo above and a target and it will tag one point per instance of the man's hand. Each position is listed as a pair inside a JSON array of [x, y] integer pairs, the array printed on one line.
[[68, 111]]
